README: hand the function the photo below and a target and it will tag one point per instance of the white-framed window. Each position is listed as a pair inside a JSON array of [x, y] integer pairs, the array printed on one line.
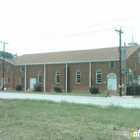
[[8, 68], [112, 64], [21, 80], [98, 76], [57, 77], [39, 77], [78, 77], [22, 68], [5, 68], [8, 80]]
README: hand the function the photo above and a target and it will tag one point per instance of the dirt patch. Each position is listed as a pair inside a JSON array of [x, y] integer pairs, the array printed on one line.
[[110, 93]]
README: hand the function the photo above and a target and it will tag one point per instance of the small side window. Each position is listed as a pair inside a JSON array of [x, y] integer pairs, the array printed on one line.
[[98, 76], [22, 68], [57, 77], [39, 77], [8, 80], [21, 80], [78, 77], [112, 65]]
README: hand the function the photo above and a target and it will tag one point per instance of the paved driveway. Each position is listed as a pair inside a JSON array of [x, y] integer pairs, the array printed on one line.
[[102, 101]]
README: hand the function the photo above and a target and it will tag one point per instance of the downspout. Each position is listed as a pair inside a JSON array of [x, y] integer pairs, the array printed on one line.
[[125, 72], [89, 74], [66, 82], [44, 77], [25, 79], [13, 77]]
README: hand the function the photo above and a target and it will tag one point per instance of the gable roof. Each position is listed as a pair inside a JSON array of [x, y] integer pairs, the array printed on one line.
[[102, 54]]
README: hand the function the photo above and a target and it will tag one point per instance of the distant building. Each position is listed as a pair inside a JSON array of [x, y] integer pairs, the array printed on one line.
[[72, 70]]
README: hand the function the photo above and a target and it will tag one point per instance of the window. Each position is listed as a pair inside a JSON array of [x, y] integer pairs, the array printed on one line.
[[8, 68], [57, 77], [21, 80], [98, 76], [112, 65], [22, 69], [5, 68], [8, 80], [78, 77], [2, 80], [39, 77]]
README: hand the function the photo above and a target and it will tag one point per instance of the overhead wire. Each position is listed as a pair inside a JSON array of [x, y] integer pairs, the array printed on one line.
[[77, 34], [97, 24], [82, 27]]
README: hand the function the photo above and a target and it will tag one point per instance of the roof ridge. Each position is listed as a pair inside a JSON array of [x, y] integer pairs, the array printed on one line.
[[68, 51]]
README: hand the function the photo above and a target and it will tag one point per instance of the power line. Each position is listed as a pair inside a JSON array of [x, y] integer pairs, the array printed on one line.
[[97, 24], [81, 27], [3, 60], [77, 34]]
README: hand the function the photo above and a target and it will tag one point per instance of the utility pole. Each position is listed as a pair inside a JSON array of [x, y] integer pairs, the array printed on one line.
[[120, 53], [3, 62]]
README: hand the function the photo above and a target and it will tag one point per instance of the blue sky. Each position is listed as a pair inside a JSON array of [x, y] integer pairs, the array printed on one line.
[[36, 26]]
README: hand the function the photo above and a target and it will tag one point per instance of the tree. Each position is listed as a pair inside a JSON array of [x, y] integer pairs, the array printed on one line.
[[7, 55]]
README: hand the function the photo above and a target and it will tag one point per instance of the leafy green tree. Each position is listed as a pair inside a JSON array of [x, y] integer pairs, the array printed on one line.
[[7, 55]]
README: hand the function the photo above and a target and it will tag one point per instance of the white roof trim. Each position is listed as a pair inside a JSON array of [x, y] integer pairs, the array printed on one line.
[[132, 52], [64, 62], [7, 60]]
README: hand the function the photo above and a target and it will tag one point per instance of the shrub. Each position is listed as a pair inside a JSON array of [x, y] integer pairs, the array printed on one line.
[[18, 87], [38, 87], [130, 90], [57, 89], [94, 90]]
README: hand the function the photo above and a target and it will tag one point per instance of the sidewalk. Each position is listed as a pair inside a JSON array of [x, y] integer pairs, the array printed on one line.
[[124, 101]]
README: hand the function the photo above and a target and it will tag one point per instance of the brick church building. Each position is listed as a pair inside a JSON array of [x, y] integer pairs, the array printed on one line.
[[72, 70]]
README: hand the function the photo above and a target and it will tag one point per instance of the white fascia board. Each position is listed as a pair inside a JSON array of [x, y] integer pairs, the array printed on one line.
[[28, 64], [64, 62], [132, 52], [7, 61]]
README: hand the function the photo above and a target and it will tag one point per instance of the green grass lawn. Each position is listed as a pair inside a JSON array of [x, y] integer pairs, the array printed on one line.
[[48, 120]]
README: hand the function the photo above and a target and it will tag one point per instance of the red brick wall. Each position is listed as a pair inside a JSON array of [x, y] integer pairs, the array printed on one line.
[[104, 67], [84, 69], [17, 75], [32, 72], [50, 76], [130, 62], [7, 74]]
